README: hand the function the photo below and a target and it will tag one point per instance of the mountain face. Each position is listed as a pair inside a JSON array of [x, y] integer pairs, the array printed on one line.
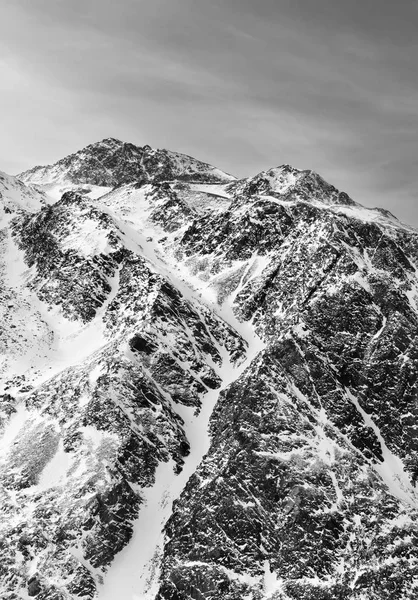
[[208, 385], [15, 195], [111, 163]]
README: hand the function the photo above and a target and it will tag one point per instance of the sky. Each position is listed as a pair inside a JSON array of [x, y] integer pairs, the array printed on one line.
[[328, 85]]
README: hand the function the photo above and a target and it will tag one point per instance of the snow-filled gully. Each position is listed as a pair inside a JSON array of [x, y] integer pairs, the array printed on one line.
[[134, 574], [391, 470]]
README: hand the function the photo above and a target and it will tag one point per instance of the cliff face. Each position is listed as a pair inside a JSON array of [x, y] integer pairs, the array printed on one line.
[[308, 489], [208, 386]]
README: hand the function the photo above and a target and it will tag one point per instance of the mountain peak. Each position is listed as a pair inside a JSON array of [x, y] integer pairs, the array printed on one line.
[[109, 142], [289, 183], [111, 162]]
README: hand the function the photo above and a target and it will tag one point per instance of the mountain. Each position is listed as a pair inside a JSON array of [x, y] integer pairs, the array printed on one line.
[[208, 386], [111, 163]]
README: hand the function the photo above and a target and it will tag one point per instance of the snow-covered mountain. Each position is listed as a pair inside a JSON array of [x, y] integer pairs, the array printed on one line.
[[208, 385], [101, 166]]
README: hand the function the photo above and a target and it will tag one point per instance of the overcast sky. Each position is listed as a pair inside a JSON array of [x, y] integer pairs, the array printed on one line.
[[329, 85]]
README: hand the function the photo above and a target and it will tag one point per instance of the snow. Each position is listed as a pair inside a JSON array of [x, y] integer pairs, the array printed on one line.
[[370, 215], [412, 296], [55, 190], [60, 343], [391, 470], [95, 436], [130, 205], [184, 164], [56, 342], [133, 574], [204, 198], [282, 178], [134, 571], [74, 342], [88, 239], [214, 189], [95, 374], [379, 333], [24, 313], [18, 195], [361, 281], [55, 471], [271, 582], [13, 427]]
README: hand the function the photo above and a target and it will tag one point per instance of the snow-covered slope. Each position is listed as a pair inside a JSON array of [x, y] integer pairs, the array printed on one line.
[[14, 195], [208, 387]]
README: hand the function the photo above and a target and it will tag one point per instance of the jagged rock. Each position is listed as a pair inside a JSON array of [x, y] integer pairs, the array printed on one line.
[[34, 586], [112, 163]]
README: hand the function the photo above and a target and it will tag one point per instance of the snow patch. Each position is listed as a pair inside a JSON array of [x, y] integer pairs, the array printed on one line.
[[15, 424], [88, 239], [55, 471]]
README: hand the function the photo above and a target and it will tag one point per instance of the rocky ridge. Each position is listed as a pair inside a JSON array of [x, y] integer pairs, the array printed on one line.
[[113, 163], [167, 298]]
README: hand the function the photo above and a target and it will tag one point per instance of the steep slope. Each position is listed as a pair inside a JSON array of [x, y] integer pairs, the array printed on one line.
[[274, 311], [15, 195], [286, 182], [90, 421], [99, 167], [15, 305], [308, 489]]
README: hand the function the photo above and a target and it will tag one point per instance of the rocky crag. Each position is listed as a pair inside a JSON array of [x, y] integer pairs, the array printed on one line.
[[208, 385]]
